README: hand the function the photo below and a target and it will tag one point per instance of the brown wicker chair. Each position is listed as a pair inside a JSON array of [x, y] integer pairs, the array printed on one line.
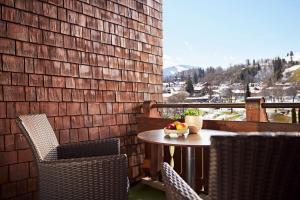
[[85, 170], [250, 167]]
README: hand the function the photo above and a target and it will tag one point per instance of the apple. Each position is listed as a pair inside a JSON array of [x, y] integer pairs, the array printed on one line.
[[171, 126], [184, 125]]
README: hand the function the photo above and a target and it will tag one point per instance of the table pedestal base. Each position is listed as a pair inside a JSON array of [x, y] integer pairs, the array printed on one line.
[[190, 166]]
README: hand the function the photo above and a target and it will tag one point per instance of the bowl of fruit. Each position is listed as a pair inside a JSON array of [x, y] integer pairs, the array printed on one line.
[[176, 128]]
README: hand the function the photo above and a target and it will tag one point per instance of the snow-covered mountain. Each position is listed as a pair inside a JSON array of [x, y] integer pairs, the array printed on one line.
[[168, 71]]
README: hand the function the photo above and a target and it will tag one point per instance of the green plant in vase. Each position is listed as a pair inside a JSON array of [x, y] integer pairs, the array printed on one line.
[[193, 118]]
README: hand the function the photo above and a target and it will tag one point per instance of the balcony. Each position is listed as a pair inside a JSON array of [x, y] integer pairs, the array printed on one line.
[[256, 124], [94, 68]]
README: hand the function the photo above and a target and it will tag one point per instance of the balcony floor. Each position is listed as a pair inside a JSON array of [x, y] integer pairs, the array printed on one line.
[[141, 191]]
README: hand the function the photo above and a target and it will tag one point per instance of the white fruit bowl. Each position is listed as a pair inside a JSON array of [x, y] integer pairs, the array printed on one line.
[[175, 132]]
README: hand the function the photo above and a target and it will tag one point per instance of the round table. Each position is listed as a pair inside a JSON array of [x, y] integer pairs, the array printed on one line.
[[188, 140]]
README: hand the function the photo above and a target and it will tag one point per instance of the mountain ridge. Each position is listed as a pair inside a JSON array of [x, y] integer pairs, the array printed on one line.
[[172, 70]]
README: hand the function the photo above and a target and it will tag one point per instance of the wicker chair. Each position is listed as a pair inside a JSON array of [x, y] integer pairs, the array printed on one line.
[[85, 170], [249, 167], [175, 187]]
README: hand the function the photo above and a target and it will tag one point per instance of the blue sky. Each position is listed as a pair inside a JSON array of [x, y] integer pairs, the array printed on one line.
[[223, 32]]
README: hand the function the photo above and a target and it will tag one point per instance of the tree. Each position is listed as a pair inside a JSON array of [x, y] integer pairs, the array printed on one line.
[[201, 73], [209, 91], [277, 68], [195, 78], [248, 74], [189, 86], [210, 70], [258, 67], [247, 62], [292, 91], [247, 93], [182, 77], [227, 93], [277, 93], [283, 61], [291, 55]]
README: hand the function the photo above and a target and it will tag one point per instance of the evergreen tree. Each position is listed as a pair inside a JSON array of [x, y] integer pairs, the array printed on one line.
[[283, 61], [291, 55], [189, 86], [195, 78], [210, 70], [247, 93], [200, 73], [258, 67], [277, 68], [247, 62]]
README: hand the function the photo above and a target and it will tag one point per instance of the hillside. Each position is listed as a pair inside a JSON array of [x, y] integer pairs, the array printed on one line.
[[292, 74], [173, 70], [268, 71], [295, 77]]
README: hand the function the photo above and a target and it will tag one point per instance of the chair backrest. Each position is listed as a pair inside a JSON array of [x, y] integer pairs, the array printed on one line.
[[175, 186], [40, 135], [254, 167]]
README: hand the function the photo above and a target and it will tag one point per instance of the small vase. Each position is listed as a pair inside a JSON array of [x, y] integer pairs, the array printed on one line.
[[194, 123]]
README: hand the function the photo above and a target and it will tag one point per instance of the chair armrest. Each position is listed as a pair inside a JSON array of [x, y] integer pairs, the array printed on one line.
[[89, 148], [84, 178]]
